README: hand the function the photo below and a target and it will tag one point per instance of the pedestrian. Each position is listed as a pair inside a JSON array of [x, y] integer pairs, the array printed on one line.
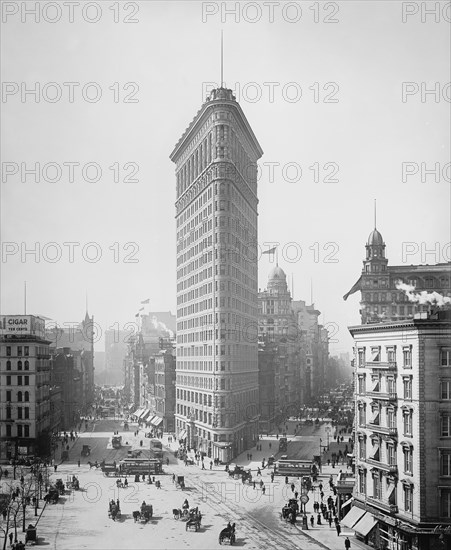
[[338, 528], [253, 483], [263, 489], [296, 495], [321, 495], [78, 462], [203, 465], [173, 478], [270, 444], [292, 487], [272, 477], [312, 521], [261, 484], [11, 539], [320, 486], [318, 519], [55, 467], [211, 464], [330, 520], [347, 543]]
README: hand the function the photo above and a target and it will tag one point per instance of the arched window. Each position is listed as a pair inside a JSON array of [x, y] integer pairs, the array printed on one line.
[[27, 365], [19, 365], [27, 396], [19, 396], [8, 365]]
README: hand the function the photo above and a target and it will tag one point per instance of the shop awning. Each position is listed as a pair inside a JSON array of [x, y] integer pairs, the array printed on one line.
[[137, 413], [142, 413], [365, 524], [150, 419], [347, 503], [157, 421], [182, 434], [145, 415], [352, 517]]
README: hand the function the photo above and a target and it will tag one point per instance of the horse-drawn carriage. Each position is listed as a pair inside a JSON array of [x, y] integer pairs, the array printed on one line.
[[180, 482], [109, 469], [60, 486], [86, 450], [228, 534], [31, 534], [52, 496], [290, 510], [144, 514], [114, 510], [194, 520], [246, 476], [73, 483]]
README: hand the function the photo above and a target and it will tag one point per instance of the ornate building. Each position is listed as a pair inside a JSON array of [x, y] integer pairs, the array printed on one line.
[[402, 497], [381, 300], [216, 216], [279, 352]]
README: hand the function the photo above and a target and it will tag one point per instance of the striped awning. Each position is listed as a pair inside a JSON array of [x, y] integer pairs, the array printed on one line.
[[182, 434], [145, 415], [157, 421], [365, 524], [352, 517], [138, 413]]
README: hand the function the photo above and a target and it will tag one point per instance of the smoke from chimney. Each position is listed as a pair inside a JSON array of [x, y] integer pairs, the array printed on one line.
[[423, 297]]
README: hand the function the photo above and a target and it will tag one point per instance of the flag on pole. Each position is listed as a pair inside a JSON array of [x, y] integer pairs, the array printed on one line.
[[357, 286], [146, 301], [270, 251]]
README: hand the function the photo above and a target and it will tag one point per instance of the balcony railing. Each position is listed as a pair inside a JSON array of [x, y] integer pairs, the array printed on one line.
[[390, 468], [387, 365], [383, 505], [387, 395], [383, 429]]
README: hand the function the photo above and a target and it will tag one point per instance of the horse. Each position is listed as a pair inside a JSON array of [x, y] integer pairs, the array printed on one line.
[[136, 515], [229, 534], [177, 513]]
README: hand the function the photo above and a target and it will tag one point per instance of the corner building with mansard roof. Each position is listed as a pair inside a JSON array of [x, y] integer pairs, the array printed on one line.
[[217, 294]]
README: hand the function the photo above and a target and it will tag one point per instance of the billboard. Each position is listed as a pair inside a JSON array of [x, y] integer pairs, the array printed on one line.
[[22, 325]]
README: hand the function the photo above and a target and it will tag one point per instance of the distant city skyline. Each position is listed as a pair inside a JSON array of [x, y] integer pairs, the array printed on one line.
[[382, 137]]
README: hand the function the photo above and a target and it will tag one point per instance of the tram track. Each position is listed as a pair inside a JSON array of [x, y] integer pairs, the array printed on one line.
[[256, 529]]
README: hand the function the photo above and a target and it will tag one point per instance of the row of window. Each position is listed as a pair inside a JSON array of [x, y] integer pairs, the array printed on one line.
[[21, 396], [21, 430], [390, 492], [20, 380], [25, 365], [407, 416], [20, 350], [22, 413], [390, 353]]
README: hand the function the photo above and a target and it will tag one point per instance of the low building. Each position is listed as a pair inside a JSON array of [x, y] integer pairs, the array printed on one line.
[[402, 496], [25, 420]]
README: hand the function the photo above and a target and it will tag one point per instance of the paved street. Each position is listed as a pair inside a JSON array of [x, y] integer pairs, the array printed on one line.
[[80, 519]]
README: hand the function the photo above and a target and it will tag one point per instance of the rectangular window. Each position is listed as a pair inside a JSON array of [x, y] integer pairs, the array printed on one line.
[[408, 461], [8, 380], [26, 413], [377, 487], [445, 425], [445, 463], [376, 354], [445, 390], [362, 385], [407, 357], [19, 430], [19, 351], [407, 418], [361, 357], [445, 357], [407, 383], [445, 503], [26, 380], [8, 351], [362, 449], [391, 355], [26, 431], [408, 498], [26, 351], [391, 455], [362, 416], [362, 482], [19, 413], [8, 395], [19, 380]]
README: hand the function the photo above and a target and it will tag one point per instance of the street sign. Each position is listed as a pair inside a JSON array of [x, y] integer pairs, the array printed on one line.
[[304, 498]]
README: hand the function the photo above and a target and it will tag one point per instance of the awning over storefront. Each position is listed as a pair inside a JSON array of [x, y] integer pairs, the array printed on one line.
[[142, 413], [138, 413], [157, 421], [365, 524], [150, 419], [347, 503], [182, 434], [145, 415], [352, 517]]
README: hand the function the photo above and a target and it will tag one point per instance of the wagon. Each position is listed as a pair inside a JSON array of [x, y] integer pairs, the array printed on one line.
[[180, 482], [109, 469], [86, 450], [31, 534]]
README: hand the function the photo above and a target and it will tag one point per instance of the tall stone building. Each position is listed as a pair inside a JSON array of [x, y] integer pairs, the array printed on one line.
[[25, 411], [279, 357], [216, 215], [381, 299], [402, 497]]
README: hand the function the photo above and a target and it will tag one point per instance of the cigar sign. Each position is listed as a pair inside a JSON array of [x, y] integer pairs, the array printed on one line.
[[22, 324]]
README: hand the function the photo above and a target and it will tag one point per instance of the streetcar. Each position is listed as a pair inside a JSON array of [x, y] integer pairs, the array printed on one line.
[[133, 466], [292, 467]]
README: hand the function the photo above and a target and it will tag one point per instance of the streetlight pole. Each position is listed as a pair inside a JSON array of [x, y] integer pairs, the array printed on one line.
[[320, 459]]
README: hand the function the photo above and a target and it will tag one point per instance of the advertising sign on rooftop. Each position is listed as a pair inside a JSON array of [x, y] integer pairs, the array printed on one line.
[[22, 325]]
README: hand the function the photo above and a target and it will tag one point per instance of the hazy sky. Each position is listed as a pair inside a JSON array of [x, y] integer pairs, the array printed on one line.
[[360, 61]]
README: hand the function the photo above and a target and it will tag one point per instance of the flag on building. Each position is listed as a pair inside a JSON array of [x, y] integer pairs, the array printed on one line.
[[357, 286], [270, 251]]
